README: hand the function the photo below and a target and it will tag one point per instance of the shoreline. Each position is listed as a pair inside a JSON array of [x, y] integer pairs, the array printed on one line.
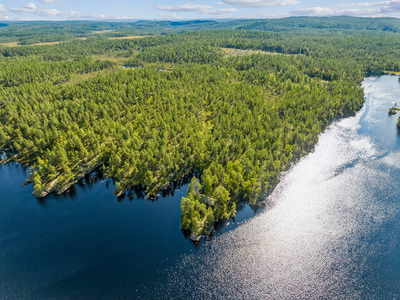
[[59, 187]]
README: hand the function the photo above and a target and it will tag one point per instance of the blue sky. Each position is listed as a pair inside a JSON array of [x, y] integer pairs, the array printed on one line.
[[189, 9]]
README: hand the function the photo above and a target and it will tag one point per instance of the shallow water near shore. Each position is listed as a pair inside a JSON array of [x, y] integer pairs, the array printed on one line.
[[330, 230]]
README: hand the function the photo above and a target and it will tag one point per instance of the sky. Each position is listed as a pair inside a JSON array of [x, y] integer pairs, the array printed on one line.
[[189, 9]]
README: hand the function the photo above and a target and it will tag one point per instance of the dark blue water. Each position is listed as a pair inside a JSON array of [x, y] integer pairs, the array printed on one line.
[[87, 243], [330, 230]]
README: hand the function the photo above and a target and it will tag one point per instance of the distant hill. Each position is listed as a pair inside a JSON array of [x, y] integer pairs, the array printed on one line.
[[332, 24], [33, 32]]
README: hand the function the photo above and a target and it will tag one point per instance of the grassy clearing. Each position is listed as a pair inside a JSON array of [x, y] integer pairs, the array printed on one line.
[[392, 72], [130, 37], [101, 31], [118, 59], [77, 78], [15, 44], [48, 43]]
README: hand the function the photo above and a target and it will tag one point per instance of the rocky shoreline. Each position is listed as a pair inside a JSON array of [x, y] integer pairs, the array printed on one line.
[[59, 187]]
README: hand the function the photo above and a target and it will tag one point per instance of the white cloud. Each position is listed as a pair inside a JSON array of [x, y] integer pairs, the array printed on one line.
[[119, 18], [68, 15], [184, 7], [2, 9], [170, 16], [313, 11], [364, 4], [47, 12], [260, 3], [74, 15], [23, 19], [223, 11], [30, 6], [386, 7], [17, 10], [49, 1], [329, 11], [392, 6], [203, 9], [268, 15]]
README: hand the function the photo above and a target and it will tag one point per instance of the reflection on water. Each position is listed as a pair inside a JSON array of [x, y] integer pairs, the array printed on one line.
[[334, 227], [330, 230], [137, 191], [86, 243]]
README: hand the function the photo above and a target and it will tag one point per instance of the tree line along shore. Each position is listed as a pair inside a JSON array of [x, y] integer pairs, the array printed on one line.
[[237, 120]]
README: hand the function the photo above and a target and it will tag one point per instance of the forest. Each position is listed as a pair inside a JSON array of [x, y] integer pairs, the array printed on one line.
[[235, 106], [36, 32]]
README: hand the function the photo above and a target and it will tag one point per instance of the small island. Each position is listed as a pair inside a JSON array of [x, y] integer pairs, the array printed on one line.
[[393, 110]]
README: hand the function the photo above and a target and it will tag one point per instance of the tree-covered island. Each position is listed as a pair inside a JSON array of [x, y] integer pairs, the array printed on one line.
[[237, 105]]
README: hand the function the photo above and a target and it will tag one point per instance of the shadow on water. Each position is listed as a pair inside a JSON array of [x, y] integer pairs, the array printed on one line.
[[86, 242], [245, 211], [139, 192], [330, 230]]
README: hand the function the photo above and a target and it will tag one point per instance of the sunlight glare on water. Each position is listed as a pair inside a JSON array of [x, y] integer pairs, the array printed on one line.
[[324, 235]]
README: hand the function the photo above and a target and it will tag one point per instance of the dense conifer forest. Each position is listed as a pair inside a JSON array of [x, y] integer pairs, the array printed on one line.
[[233, 102]]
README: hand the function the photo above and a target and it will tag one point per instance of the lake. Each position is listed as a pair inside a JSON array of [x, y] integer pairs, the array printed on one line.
[[331, 229]]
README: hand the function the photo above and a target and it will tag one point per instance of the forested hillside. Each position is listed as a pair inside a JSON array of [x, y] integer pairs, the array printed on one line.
[[236, 118], [36, 32]]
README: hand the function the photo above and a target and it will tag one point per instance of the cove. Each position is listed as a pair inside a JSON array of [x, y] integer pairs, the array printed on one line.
[[331, 229]]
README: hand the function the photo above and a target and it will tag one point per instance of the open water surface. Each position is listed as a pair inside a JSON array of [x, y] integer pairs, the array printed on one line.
[[330, 230]]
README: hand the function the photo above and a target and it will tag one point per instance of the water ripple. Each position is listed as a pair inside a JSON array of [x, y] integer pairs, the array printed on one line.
[[332, 232]]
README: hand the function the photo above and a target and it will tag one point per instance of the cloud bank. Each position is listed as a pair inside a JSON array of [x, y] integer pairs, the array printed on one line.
[[259, 3], [184, 7], [382, 8], [68, 15], [361, 9], [202, 9]]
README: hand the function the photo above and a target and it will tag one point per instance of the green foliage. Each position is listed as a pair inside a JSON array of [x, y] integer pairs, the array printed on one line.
[[28, 33], [208, 188], [237, 121], [14, 72]]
